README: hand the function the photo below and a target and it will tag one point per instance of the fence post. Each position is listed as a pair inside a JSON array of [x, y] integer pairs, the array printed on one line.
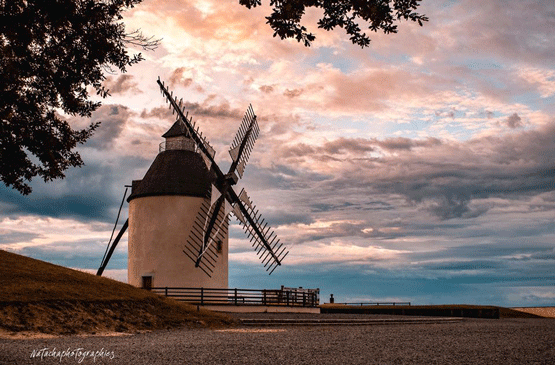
[[166, 291], [264, 299], [235, 296], [201, 296]]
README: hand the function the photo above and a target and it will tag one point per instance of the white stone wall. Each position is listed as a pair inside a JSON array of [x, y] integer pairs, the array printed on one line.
[[158, 230]]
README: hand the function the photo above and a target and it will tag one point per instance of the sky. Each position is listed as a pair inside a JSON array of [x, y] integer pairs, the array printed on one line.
[[418, 169]]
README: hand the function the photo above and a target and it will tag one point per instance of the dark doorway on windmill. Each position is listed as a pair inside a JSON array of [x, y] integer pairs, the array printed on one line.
[[147, 282], [219, 246]]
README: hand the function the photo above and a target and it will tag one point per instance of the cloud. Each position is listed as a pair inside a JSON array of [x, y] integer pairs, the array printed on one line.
[[197, 110], [266, 89], [160, 112], [514, 121], [179, 77], [446, 178], [293, 93], [401, 143], [113, 119], [121, 84]]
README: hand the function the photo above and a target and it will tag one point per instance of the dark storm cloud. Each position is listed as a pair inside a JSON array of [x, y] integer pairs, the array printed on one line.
[[513, 166], [92, 192], [514, 121], [161, 112], [177, 78], [447, 193], [342, 206], [121, 84], [354, 145], [449, 179], [113, 119], [293, 93], [278, 218], [267, 89], [223, 110], [284, 177], [401, 143]]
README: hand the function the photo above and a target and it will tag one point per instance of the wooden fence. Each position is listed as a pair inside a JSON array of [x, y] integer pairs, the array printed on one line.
[[291, 297]]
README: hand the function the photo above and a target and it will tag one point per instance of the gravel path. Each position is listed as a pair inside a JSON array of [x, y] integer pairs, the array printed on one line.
[[471, 341]]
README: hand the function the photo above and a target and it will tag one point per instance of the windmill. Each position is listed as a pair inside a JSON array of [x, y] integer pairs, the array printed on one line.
[[186, 192]]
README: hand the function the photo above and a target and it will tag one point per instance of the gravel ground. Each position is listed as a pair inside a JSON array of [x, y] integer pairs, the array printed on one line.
[[471, 341]]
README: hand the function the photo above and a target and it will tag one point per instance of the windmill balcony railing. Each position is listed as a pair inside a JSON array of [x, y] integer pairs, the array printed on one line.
[[265, 297], [178, 144]]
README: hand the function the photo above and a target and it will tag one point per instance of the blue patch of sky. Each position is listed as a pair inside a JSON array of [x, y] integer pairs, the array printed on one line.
[[350, 284], [531, 99], [449, 3], [393, 58], [65, 255], [482, 64]]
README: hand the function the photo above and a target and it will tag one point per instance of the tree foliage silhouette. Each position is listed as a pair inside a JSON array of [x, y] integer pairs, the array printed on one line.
[[286, 17], [51, 53]]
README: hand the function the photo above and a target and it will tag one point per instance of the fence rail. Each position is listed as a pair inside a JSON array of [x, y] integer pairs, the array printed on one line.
[[211, 296]]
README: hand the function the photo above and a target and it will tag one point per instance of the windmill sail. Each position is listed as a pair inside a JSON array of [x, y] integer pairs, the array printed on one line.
[[244, 141], [203, 249], [208, 152], [262, 238], [211, 224]]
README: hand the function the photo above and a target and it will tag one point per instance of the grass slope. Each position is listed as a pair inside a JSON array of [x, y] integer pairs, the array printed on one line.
[[36, 296]]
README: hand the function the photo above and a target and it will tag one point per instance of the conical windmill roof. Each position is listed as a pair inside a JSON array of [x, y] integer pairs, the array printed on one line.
[[175, 172], [177, 129]]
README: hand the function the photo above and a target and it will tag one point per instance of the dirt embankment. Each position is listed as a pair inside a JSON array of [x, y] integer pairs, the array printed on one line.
[[547, 312], [43, 298]]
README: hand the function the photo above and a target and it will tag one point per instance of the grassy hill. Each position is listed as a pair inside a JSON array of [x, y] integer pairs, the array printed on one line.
[[36, 296]]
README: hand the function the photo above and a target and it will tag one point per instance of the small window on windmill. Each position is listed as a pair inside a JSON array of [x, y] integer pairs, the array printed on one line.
[[147, 282], [219, 246]]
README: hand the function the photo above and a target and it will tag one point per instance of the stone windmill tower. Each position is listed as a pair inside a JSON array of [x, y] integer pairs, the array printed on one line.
[[162, 211], [178, 213]]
